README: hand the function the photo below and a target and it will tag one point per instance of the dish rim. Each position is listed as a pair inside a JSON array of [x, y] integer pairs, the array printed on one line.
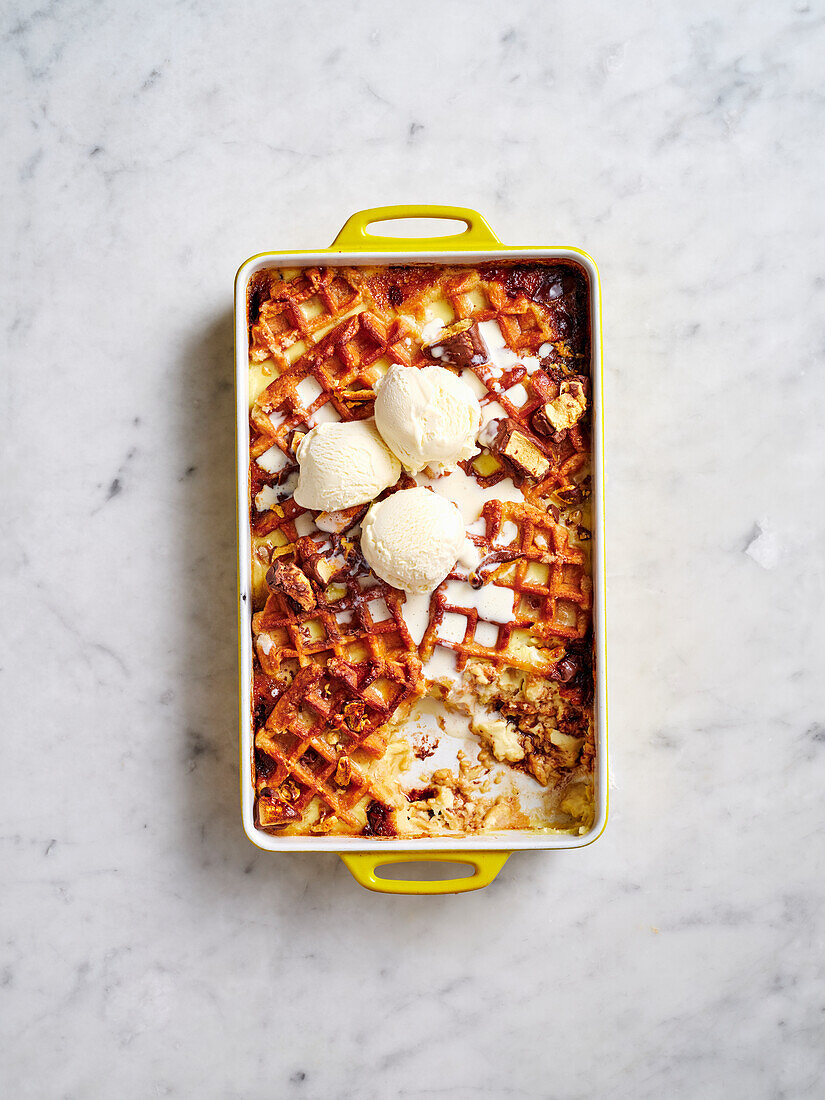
[[501, 840]]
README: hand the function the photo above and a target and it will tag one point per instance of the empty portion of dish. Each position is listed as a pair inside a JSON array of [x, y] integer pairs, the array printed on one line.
[[422, 627]]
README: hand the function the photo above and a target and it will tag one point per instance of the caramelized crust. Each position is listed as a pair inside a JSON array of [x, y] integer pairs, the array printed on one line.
[[336, 670]]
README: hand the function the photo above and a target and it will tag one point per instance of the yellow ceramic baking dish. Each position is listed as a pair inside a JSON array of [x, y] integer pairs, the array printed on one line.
[[364, 856]]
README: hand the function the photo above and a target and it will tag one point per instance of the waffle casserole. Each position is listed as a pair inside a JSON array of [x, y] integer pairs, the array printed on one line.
[[375, 714]]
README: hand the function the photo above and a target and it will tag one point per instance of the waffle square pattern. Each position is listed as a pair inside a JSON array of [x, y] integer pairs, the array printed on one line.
[[469, 709]]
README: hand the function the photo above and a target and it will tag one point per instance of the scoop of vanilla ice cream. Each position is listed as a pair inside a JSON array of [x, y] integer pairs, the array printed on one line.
[[412, 539], [342, 465], [427, 416]]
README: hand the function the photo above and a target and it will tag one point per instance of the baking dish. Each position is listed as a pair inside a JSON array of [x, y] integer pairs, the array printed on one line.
[[355, 245]]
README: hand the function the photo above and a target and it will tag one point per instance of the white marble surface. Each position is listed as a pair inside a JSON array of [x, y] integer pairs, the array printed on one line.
[[146, 948]]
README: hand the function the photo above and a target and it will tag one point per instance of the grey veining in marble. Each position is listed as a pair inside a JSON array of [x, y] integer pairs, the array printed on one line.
[[146, 948]]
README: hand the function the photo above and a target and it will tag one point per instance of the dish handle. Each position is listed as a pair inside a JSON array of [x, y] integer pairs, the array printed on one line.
[[354, 236], [363, 865]]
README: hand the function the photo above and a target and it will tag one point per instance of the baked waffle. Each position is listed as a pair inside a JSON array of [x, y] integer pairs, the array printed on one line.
[[337, 670]]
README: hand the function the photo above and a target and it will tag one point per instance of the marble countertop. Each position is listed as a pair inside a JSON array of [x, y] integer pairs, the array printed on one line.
[[147, 948]]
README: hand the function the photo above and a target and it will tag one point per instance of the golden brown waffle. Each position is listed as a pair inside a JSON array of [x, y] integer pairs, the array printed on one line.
[[329, 677], [342, 668], [550, 585]]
